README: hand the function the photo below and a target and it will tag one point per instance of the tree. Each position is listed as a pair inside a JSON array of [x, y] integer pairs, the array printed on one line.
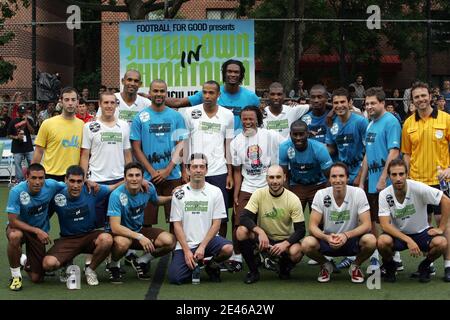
[[137, 9], [8, 9]]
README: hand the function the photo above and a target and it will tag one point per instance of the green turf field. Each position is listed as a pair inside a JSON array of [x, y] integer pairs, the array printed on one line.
[[303, 284]]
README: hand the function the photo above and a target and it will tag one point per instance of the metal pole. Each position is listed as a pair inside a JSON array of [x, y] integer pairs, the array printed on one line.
[[33, 49], [296, 40], [429, 43]]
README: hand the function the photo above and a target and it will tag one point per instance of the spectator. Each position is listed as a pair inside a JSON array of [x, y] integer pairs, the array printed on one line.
[[359, 91], [4, 121]]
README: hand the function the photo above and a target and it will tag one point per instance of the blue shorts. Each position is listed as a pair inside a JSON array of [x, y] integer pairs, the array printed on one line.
[[179, 272], [423, 240], [350, 248], [220, 182]]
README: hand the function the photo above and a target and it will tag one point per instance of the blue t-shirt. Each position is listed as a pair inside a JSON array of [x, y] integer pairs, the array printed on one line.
[[234, 102], [381, 136], [159, 132], [77, 215], [348, 138], [318, 125], [130, 208], [305, 167], [33, 208]]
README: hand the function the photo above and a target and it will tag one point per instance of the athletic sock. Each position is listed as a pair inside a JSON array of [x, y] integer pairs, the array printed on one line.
[[15, 272], [236, 257], [397, 257], [247, 252], [146, 258], [446, 263]]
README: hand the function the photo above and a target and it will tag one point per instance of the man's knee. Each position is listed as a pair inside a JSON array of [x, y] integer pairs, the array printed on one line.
[[242, 233], [50, 263], [176, 277], [15, 237], [104, 240], [440, 243], [36, 277], [121, 244], [166, 239], [385, 241], [309, 244], [368, 241], [227, 250]]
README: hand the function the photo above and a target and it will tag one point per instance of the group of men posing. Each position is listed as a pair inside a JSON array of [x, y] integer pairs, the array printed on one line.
[[223, 151]]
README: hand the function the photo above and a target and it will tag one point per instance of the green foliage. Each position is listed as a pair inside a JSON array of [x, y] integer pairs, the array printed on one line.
[[89, 79]]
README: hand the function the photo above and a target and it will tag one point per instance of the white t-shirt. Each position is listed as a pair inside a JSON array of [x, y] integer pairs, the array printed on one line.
[[107, 145], [282, 122], [207, 135], [196, 209], [124, 111], [344, 218], [256, 154], [410, 216]]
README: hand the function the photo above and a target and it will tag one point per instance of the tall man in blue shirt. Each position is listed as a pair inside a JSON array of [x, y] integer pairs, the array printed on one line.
[[126, 219], [232, 95], [306, 163], [346, 135], [382, 141], [75, 207], [316, 118], [157, 133], [28, 218]]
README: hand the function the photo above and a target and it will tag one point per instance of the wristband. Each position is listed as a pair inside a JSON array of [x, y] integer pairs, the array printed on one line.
[[139, 237]]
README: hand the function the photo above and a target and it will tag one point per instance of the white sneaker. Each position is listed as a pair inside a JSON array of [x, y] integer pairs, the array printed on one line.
[[91, 278], [374, 265]]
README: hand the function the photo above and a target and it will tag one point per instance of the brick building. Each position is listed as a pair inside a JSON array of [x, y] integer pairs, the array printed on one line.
[[54, 46]]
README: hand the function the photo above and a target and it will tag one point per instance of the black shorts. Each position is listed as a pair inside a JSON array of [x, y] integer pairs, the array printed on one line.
[[423, 240], [349, 249], [431, 208]]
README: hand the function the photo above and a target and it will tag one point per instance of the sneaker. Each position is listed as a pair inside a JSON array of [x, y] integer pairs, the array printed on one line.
[[424, 272], [141, 269], [271, 263], [390, 275], [447, 274], [50, 273], [15, 284], [285, 268], [251, 277], [399, 265], [345, 263], [213, 270], [374, 264], [91, 278], [63, 276], [114, 275], [416, 274], [356, 274], [325, 272], [232, 266], [312, 262], [86, 265], [129, 258]]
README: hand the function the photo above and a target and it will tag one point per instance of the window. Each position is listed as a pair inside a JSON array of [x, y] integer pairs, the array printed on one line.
[[220, 14]]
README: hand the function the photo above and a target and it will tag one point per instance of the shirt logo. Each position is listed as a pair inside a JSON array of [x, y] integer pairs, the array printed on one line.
[[123, 199], [179, 194], [327, 201], [60, 200], [264, 113], [439, 134], [24, 198], [291, 153], [73, 143], [390, 200], [307, 119], [144, 116], [195, 114], [254, 155], [334, 129], [94, 127]]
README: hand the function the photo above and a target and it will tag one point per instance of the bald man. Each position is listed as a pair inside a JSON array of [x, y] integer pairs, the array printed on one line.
[[279, 227]]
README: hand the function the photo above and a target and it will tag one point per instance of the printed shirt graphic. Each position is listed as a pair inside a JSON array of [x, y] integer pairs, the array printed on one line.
[[276, 215], [102, 140], [77, 216], [234, 102], [349, 138], [61, 140], [124, 111], [158, 133], [410, 216], [283, 121], [305, 167], [33, 209], [255, 154], [338, 219], [130, 208], [207, 136], [381, 136], [196, 209], [316, 125]]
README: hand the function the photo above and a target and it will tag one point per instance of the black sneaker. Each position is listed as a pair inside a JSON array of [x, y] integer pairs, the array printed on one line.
[[129, 258], [389, 275], [142, 269], [114, 275], [233, 266], [416, 274], [424, 272], [251, 277], [447, 274], [213, 271]]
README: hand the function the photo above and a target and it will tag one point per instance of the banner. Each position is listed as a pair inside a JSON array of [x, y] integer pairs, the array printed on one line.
[[186, 53]]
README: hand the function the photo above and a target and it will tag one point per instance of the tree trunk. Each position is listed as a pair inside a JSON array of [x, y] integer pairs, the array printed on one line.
[[136, 9], [287, 58]]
